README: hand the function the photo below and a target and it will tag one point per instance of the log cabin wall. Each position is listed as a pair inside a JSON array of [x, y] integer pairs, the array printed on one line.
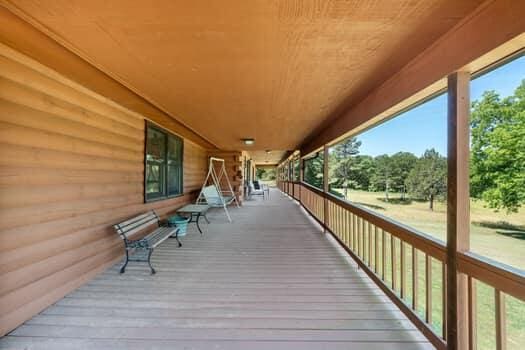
[[71, 165]]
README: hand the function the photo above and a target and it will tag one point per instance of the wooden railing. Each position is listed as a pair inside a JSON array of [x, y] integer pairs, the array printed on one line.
[[410, 266]]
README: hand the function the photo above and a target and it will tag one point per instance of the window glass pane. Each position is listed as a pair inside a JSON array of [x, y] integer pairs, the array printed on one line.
[[155, 163], [156, 147], [153, 179], [174, 165]]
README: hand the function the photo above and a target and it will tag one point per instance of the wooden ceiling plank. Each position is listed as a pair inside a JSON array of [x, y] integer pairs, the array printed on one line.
[[234, 69]]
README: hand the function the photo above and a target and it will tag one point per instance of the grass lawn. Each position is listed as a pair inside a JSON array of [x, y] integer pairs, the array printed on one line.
[[499, 236]]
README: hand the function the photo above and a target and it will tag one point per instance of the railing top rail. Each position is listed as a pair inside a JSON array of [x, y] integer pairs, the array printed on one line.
[[502, 277]]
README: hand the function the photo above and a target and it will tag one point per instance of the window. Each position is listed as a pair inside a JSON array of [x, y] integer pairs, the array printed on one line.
[[163, 173]]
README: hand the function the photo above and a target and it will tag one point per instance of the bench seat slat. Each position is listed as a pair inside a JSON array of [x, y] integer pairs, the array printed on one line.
[[159, 235]]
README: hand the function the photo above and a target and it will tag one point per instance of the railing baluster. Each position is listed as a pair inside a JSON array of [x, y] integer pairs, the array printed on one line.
[[333, 219], [472, 314], [343, 233], [320, 210], [365, 241], [351, 230], [335, 222], [347, 229], [359, 237], [356, 240], [402, 268], [369, 243], [376, 244], [415, 279], [383, 255], [428, 289], [393, 261], [501, 320], [340, 222], [349, 223]]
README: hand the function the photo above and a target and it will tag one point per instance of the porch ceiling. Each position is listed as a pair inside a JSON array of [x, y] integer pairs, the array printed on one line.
[[272, 70], [264, 158]]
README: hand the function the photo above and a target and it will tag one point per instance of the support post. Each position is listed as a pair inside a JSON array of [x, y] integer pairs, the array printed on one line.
[[325, 184], [458, 208]]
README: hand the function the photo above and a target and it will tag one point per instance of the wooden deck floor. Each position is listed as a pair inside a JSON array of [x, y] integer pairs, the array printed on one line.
[[270, 280]]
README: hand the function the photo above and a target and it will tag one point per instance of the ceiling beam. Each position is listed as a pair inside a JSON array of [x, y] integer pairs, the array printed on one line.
[[492, 24], [23, 37]]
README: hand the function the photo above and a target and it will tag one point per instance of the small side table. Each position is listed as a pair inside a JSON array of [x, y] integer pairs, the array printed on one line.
[[195, 211]]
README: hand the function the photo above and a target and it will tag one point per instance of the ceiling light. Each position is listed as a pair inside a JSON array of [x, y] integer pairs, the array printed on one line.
[[268, 152], [248, 141]]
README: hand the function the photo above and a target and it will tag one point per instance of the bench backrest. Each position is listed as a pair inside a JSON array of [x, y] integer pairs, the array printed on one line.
[[136, 224], [212, 196]]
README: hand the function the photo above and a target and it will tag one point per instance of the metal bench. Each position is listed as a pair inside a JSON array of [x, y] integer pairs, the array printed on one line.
[[143, 248]]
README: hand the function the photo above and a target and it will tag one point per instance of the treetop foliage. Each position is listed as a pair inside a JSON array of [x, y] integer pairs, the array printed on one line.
[[497, 170]]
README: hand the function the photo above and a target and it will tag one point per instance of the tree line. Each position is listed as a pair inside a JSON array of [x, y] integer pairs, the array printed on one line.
[[421, 178], [497, 166]]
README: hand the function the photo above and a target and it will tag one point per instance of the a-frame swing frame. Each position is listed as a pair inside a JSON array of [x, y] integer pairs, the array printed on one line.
[[217, 198]]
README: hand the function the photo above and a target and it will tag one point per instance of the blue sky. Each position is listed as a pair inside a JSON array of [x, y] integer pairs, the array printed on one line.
[[425, 126]]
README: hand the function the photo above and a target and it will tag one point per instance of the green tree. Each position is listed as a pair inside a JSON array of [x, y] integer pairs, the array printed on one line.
[[428, 178], [313, 170], [270, 174], [401, 164], [260, 173], [342, 155], [381, 180], [498, 150], [361, 172]]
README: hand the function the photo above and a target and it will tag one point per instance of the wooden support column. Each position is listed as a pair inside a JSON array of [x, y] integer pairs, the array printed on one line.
[[325, 184], [458, 208]]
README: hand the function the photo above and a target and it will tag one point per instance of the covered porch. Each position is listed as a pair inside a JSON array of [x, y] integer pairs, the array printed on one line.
[[110, 110], [270, 280]]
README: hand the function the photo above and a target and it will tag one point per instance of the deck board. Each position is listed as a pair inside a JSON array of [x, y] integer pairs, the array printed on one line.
[[270, 280]]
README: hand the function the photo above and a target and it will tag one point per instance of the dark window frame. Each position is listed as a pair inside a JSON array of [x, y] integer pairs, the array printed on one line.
[[149, 197]]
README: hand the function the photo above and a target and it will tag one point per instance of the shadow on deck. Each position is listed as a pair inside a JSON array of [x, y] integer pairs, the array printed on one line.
[[270, 280]]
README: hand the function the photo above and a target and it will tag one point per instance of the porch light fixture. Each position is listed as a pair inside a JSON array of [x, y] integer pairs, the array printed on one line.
[[268, 152], [248, 141]]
